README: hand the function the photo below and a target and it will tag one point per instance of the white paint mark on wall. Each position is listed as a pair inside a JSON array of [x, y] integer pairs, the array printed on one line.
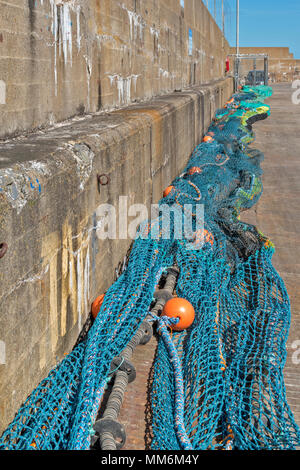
[[200, 52], [154, 32], [63, 22], [134, 80], [166, 74], [83, 284], [62, 31], [89, 68], [78, 27], [54, 32], [124, 86], [136, 23], [2, 353], [2, 92], [86, 280], [66, 32], [70, 275]]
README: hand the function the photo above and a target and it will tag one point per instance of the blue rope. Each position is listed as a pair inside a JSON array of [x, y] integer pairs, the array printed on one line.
[[163, 323]]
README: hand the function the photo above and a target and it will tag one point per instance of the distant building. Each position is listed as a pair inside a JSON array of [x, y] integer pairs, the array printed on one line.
[[283, 67]]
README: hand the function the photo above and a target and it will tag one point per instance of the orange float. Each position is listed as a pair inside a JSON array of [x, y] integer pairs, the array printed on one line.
[[178, 307], [96, 305], [204, 236], [194, 169], [207, 138], [167, 191]]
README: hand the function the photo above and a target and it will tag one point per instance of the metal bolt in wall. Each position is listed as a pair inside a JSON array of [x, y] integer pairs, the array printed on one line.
[[103, 180]]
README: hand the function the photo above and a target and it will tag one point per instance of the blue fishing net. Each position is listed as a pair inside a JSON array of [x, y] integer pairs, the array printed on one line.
[[232, 356]]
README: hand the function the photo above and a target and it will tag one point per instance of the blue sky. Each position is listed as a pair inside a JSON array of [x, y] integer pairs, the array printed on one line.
[[265, 23]]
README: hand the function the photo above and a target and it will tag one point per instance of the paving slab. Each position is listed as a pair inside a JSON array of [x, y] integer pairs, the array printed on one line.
[[277, 214]]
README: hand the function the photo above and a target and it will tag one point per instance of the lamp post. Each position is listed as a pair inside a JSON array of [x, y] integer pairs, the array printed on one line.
[[223, 20], [237, 60], [237, 26]]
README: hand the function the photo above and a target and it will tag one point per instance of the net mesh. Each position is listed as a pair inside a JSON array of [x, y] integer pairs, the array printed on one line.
[[232, 356]]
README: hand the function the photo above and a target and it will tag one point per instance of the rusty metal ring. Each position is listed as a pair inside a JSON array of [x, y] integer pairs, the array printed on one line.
[[3, 249], [100, 179]]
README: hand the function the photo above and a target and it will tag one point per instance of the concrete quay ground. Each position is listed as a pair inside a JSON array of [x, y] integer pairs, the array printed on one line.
[[277, 215]]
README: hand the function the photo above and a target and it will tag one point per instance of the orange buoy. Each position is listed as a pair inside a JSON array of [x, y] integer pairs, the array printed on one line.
[[168, 190], [203, 236], [178, 307], [207, 138], [208, 237], [96, 305]]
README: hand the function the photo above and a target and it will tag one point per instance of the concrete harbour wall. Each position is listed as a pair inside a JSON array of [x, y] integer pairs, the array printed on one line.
[[61, 58], [87, 87], [55, 264]]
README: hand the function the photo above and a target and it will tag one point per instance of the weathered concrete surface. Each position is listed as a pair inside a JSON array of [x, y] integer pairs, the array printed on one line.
[[61, 58], [278, 214], [49, 216]]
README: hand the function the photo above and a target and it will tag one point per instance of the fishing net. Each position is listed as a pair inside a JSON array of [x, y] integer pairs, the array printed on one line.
[[232, 357]]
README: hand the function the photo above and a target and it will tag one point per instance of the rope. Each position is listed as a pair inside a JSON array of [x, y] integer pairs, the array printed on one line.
[[163, 324]]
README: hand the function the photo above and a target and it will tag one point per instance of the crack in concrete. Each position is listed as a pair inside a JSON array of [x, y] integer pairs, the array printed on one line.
[[85, 233]]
